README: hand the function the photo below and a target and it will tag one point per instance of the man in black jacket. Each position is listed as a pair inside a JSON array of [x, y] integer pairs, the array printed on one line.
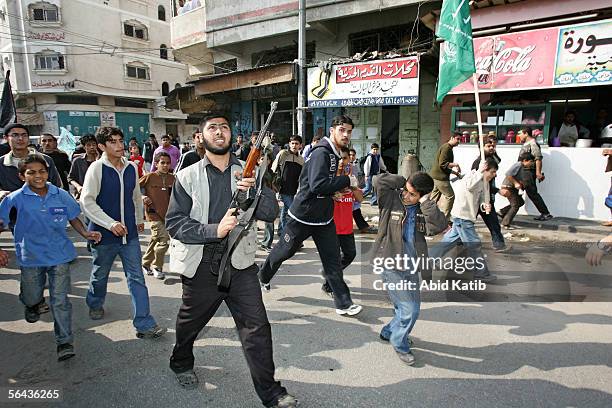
[[312, 214]]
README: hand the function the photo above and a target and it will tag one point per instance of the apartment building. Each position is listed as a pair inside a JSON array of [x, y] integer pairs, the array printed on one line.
[[80, 64]]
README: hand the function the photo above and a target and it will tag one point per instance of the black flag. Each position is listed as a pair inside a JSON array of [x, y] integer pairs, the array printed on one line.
[[7, 112]]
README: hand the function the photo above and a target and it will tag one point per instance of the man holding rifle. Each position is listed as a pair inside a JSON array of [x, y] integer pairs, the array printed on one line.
[[198, 221]]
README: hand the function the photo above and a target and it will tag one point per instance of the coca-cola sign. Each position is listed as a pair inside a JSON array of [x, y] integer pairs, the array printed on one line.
[[514, 61]]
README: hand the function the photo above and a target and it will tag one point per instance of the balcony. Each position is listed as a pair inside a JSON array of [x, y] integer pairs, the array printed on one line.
[[189, 41]]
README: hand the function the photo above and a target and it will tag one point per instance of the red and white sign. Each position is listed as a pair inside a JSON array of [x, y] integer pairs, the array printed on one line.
[[514, 61]]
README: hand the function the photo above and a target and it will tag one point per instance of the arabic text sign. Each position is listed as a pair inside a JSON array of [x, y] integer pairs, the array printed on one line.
[[514, 61], [584, 54], [375, 83]]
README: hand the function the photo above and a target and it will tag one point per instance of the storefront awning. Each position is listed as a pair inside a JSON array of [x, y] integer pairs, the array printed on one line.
[[184, 99], [271, 74]]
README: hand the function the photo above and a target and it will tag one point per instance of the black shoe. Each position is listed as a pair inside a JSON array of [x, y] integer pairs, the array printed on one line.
[[326, 289], [286, 401], [154, 332], [42, 307], [96, 314], [31, 314], [65, 351], [543, 217]]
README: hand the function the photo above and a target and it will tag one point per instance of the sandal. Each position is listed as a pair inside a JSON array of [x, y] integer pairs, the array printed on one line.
[[188, 380]]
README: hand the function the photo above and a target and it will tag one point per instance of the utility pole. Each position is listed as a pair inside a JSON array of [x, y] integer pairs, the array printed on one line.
[[301, 105]]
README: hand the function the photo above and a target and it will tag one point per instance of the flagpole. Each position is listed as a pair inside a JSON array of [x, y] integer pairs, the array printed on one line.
[[480, 135]]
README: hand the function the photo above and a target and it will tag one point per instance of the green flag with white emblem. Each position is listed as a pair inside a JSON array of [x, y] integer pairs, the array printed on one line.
[[457, 60]]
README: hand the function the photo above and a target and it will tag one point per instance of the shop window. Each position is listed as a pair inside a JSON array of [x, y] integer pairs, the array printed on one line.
[[163, 52], [283, 54], [161, 13], [137, 71], [49, 61], [135, 29], [165, 89], [43, 12]]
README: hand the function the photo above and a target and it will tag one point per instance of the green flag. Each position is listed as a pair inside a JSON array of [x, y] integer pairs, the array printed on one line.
[[457, 61]]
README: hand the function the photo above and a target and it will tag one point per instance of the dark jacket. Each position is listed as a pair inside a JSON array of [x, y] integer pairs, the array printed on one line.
[[313, 203], [444, 156], [9, 175], [389, 241]]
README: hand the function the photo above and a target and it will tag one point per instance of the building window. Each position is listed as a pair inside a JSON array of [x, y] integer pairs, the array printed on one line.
[[163, 52], [77, 99], [282, 54], [43, 12], [137, 71], [165, 89], [130, 103], [161, 13], [49, 60], [391, 38], [226, 66], [135, 30]]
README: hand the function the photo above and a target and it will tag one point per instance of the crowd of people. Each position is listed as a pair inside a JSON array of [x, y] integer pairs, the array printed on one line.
[[321, 187]]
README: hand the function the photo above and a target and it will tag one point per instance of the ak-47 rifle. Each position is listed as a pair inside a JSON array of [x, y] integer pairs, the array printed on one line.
[[245, 220]]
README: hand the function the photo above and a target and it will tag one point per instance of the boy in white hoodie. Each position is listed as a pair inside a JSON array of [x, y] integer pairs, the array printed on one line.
[[469, 196]]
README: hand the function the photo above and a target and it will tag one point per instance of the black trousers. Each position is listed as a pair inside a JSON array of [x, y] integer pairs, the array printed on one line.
[[531, 188], [492, 223], [509, 211], [201, 299], [324, 237], [348, 250], [359, 220]]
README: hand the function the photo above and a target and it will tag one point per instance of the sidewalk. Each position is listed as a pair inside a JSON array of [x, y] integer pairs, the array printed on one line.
[[557, 229]]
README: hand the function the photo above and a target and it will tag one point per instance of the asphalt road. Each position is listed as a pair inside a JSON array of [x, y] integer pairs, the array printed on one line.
[[527, 351]]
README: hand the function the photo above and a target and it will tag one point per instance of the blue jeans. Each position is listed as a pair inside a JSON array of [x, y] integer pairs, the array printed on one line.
[[369, 188], [32, 287], [287, 201], [407, 306], [462, 231], [103, 258]]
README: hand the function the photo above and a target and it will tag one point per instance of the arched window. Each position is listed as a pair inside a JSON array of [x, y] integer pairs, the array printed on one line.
[[49, 60], [165, 89], [135, 29], [161, 13], [43, 12], [177, 85], [163, 52]]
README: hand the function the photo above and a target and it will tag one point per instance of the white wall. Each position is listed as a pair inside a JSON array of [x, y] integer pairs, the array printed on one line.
[[575, 186]]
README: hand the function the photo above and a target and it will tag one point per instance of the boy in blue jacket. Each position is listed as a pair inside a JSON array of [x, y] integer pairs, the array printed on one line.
[[39, 212]]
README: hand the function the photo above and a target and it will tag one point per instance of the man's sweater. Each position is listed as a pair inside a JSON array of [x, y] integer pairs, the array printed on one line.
[[9, 173]]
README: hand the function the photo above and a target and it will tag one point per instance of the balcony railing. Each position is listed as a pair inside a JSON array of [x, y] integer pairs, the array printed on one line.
[[189, 28]]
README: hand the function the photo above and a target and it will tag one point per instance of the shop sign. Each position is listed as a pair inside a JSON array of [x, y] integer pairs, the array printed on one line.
[[577, 55], [584, 56], [372, 83]]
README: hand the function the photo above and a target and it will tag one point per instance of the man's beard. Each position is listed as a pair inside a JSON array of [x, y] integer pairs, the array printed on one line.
[[216, 150]]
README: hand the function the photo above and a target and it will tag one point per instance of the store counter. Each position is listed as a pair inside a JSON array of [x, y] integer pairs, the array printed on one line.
[[575, 186]]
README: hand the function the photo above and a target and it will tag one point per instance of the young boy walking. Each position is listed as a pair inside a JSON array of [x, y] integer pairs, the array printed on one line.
[[469, 196], [157, 187], [112, 201], [137, 158], [42, 246], [406, 211], [511, 186], [343, 216]]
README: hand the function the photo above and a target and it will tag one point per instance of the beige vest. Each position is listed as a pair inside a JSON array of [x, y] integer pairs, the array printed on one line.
[[185, 258]]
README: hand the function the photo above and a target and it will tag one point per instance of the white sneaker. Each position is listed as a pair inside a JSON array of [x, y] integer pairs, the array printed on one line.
[[146, 271], [157, 273], [352, 310]]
